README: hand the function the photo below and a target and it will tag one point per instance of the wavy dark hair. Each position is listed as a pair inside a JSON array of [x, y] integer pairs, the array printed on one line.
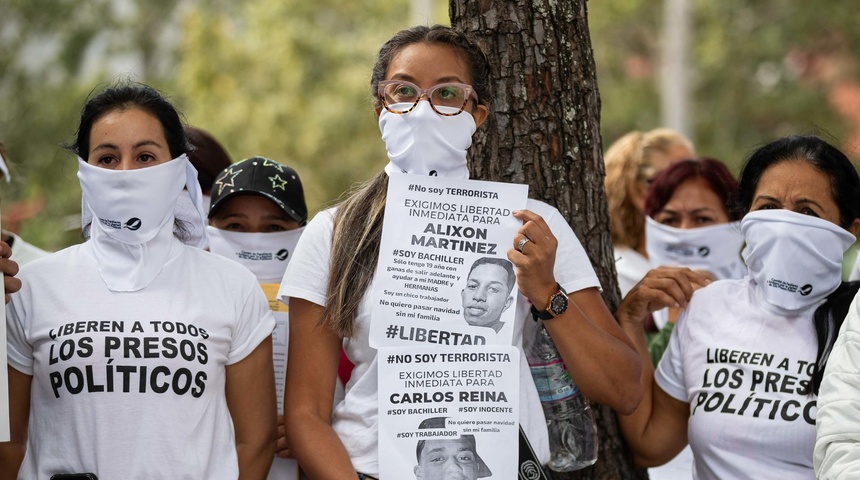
[[124, 96], [844, 187]]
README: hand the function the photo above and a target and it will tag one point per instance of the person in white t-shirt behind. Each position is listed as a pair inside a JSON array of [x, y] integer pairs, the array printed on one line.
[[256, 217], [742, 370]]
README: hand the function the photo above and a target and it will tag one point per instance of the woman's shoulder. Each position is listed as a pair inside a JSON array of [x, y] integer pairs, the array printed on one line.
[[209, 265], [722, 296], [54, 263], [543, 209]]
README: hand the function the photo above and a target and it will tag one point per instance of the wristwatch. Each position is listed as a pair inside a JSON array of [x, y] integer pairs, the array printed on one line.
[[556, 306]]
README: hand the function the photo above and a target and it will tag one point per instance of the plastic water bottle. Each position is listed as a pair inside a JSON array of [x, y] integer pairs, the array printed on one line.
[[572, 432]]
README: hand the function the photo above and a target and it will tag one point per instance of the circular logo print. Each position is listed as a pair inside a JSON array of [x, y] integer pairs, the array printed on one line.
[[433, 173], [133, 223], [805, 290], [529, 470], [704, 251], [282, 254]]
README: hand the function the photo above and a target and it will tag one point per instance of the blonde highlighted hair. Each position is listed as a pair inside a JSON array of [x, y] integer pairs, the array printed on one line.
[[628, 161]]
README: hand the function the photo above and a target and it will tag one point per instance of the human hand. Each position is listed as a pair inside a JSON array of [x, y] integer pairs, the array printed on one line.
[[534, 262], [9, 269], [282, 449], [662, 287]]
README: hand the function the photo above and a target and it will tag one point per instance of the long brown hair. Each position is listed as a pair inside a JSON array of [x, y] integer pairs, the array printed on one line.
[[358, 222]]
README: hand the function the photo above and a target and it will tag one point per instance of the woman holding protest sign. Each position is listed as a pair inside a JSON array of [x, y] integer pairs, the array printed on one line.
[[746, 357], [432, 92], [133, 355]]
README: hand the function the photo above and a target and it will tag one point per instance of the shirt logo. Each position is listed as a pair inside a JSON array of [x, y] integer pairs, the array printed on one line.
[[282, 254], [133, 223], [704, 251], [805, 290]]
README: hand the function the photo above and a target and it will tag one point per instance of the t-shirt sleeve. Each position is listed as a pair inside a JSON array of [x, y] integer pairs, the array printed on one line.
[[19, 352], [670, 371], [255, 323], [573, 270], [307, 274]]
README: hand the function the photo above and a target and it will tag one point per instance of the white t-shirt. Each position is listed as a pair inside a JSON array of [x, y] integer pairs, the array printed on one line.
[[741, 369], [131, 385], [631, 267], [23, 252], [355, 418]]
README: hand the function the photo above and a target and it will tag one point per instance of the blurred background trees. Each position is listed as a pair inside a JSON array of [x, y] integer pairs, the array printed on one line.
[[289, 79]]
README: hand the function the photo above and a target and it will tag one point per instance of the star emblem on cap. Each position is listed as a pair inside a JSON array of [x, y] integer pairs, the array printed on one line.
[[278, 182], [270, 163], [223, 181]]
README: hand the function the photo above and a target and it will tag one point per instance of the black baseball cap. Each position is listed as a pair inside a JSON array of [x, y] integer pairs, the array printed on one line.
[[262, 176]]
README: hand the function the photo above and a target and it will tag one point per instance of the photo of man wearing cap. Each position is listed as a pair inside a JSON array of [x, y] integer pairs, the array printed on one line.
[[488, 292], [449, 458]]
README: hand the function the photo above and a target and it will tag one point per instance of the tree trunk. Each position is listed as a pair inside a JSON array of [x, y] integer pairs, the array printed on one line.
[[545, 132]]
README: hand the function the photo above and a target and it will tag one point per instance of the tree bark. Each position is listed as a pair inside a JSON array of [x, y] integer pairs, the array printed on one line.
[[545, 132]]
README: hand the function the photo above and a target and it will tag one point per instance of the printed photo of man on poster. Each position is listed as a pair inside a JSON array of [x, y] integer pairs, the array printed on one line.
[[448, 458], [487, 293]]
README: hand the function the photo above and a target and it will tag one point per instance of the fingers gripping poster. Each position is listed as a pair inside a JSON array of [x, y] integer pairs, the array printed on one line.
[[449, 412], [443, 276]]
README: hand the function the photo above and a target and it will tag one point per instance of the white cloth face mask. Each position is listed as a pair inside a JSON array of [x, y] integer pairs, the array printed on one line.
[[194, 233], [266, 255], [794, 260], [189, 203], [207, 203], [131, 216], [131, 206], [423, 142], [715, 248]]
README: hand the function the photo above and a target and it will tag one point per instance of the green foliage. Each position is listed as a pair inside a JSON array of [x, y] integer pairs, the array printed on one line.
[[290, 80], [45, 77], [286, 79], [747, 86]]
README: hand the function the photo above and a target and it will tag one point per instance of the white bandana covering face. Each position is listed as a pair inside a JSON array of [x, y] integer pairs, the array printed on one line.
[[187, 212], [423, 142], [266, 255], [794, 260], [207, 203], [131, 214], [715, 248]]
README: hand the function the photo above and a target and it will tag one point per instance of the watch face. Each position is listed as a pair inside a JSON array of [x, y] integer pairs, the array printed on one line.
[[558, 304]]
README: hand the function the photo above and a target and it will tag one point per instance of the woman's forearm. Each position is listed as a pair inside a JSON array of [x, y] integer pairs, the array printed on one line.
[[318, 449]]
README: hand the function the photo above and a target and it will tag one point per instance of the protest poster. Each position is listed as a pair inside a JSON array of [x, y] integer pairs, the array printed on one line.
[[446, 409], [443, 276], [282, 468]]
